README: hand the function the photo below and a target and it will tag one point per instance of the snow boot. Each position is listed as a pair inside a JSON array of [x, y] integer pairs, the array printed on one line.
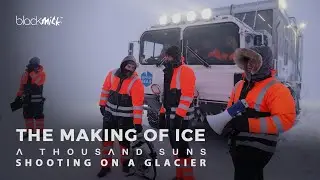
[[103, 172]]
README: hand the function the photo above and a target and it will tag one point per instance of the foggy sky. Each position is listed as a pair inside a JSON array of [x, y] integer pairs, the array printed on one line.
[[93, 38]]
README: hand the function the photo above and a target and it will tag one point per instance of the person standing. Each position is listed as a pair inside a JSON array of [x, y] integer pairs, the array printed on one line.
[[177, 109], [30, 93], [262, 108], [121, 104]]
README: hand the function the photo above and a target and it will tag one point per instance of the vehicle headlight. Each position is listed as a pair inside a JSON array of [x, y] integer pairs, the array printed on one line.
[[176, 18], [206, 13], [191, 16], [163, 20]]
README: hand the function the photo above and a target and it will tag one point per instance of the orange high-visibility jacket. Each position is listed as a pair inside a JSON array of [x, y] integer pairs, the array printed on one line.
[[32, 83], [123, 100], [216, 53], [183, 82], [270, 96]]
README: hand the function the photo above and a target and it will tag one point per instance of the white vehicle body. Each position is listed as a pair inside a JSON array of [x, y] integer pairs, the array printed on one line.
[[214, 84]]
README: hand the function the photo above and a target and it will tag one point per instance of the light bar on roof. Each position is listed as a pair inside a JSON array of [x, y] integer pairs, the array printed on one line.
[[163, 20], [191, 16], [176, 18], [206, 14]]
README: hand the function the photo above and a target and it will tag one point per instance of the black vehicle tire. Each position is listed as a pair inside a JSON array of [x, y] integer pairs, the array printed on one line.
[[153, 119]]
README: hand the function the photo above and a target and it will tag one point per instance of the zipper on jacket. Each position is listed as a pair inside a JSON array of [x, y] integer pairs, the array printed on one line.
[[117, 90]]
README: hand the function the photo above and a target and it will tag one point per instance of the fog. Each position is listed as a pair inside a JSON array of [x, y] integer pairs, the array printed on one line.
[[92, 39]]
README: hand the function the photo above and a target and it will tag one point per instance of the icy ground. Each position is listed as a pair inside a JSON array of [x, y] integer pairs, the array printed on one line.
[[297, 157]]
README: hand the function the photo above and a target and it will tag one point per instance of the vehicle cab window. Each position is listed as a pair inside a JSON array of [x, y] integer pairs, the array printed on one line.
[[215, 43], [153, 44]]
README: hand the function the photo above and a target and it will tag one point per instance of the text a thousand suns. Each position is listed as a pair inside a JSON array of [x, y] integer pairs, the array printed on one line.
[[59, 162]]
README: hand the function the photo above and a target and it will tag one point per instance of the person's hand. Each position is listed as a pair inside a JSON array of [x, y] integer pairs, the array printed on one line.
[[237, 108], [227, 130], [162, 121], [18, 98], [240, 123], [138, 128], [103, 110]]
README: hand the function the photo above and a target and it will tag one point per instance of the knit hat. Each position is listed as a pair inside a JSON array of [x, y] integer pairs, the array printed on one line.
[[174, 51], [34, 61]]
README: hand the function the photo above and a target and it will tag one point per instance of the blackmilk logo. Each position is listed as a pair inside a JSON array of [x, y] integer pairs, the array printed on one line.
[[39, 21]]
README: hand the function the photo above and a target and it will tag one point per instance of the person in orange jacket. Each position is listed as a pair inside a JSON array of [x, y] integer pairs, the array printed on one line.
[[121, 104], [269, 111], [177, 109], [226, 53], [30, 93]]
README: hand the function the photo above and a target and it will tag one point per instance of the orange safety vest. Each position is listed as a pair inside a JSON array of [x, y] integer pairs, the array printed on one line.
[[123, 99], [271, 97], [31, 84], [216, 53], [181, 93]]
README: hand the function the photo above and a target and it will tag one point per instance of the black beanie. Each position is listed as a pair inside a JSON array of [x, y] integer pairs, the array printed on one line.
[[174, 51]]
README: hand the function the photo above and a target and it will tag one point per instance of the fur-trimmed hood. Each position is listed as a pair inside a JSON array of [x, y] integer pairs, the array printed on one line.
[[247, 59], [257, 61]]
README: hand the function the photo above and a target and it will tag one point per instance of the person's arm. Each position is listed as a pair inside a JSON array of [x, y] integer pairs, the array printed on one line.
[[232, 96], [23, 79], [231, 57], [216, 54], [137, 95], [39, 78], [105, 90], [283, 114], [162, 118], [188, 83], [162, 110]]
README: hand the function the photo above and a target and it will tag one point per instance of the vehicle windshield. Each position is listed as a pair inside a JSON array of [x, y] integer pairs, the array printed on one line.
[[215, 43], [153, 44]]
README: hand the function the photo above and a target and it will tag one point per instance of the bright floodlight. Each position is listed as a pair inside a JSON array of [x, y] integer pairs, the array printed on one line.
[[206, 13], [191, 16], [163, 20], [302, 25], [176, 18], [283, 4]]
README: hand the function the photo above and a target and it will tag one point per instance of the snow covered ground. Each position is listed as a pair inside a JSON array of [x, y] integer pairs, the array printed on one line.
[[297, 156]]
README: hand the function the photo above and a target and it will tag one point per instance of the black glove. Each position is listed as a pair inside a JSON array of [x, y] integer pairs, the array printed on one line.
[[228, 130], [103, 110], [162, 121], [240, 123], [18, 98], [236, 125], [138, 128]]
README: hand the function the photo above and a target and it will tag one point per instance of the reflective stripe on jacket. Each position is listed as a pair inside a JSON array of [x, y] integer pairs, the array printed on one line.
[[31, 84], [181, 93], [123, 98], [272, 97]]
